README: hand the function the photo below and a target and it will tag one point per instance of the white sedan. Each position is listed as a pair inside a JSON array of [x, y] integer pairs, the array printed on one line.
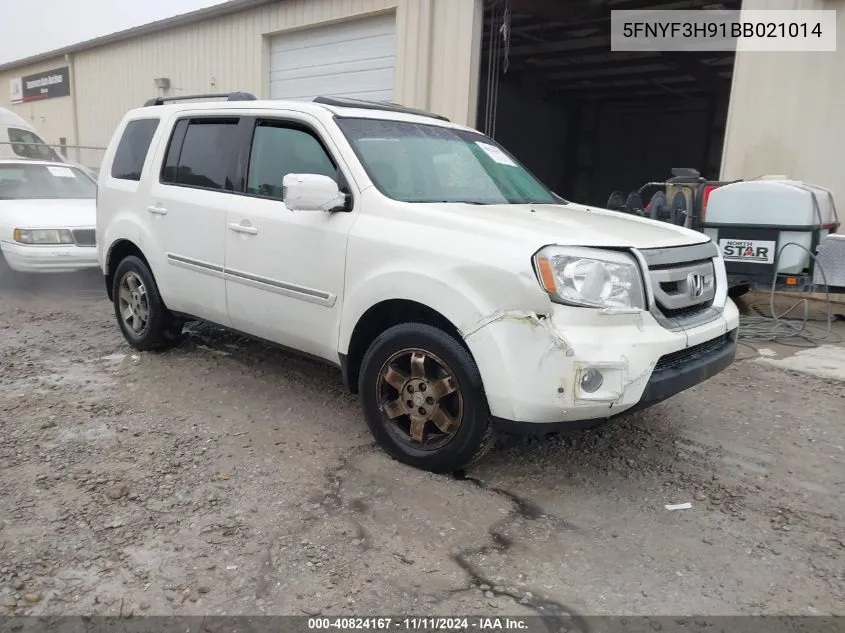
[[48, 215]]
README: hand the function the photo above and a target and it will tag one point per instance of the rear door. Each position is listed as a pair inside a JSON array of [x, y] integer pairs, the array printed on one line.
[[187, 206]]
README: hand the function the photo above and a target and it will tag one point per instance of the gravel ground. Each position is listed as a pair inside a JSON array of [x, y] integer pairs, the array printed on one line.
[[226, 477]]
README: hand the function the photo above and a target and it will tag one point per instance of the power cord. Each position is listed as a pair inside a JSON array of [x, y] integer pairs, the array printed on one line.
[[794, 332]]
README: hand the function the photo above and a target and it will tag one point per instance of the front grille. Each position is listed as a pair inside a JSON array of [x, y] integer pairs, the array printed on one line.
[[685, 356], [684, 290], [683, 282], [689, 311], [84, 237]]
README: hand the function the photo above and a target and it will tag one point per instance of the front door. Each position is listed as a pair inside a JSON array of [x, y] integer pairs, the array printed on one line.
[[284, 269]]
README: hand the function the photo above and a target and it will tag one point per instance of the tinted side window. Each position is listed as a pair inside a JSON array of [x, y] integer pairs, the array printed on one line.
[[132, 150], [207, 154], [278, 150], [174, 148]]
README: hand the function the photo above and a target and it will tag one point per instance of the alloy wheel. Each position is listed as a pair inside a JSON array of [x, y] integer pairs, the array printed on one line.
[[420, 399], [133, 303]]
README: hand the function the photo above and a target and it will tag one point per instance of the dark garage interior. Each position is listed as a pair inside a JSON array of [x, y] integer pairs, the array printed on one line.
[[587, 120]]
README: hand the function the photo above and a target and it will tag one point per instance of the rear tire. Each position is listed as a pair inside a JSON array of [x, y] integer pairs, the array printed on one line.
[[144, 320], [423, 399]]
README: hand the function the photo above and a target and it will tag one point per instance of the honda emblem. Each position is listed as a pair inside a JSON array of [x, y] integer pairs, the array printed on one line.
[[695, 285]]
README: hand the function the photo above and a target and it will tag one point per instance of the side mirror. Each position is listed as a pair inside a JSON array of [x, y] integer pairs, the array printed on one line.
[[312, 192]]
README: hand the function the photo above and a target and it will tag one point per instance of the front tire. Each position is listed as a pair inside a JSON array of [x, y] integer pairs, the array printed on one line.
[[423, 399], [144, 320]]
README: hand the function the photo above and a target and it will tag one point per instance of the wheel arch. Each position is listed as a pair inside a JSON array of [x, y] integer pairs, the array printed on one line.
[[382, 316], [393, 297], [459, 306], [119, 250]]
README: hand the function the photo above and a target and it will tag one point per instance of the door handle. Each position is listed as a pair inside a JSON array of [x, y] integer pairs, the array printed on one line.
[[157, 210], [240, 228]]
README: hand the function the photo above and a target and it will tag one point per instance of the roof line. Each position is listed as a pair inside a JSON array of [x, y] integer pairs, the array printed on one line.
[[214, 11]]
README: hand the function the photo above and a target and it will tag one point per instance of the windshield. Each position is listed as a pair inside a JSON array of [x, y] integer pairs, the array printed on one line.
[[415, 162], [29, 145], [44, 182]]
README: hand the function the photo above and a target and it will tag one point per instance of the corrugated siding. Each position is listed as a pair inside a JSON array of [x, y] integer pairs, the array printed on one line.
[[786, 112], [438, 56], [218, 55], [437, 49], [53, 118], [413, 53], [456, 52]]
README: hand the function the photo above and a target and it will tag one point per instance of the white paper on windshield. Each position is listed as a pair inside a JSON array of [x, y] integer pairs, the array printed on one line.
[[496, 154], [61, 172]]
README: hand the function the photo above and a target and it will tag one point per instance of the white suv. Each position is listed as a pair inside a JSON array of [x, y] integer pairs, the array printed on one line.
[[458, 295]]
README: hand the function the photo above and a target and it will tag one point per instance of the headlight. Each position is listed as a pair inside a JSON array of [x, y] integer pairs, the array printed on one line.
[[590, 277], [43, 236]]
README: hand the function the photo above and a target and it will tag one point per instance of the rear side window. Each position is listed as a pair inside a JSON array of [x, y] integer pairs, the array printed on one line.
[[202, 153], [133, 148]]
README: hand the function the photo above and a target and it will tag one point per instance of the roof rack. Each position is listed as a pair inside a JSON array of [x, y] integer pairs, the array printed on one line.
[[230, 96], [345, 102]]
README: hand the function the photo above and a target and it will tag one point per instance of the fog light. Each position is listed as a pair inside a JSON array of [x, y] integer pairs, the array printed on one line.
[[591, 380]]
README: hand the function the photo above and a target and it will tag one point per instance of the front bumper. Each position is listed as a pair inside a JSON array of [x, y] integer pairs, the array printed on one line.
[[531, 367], [687, 368], [49, 259]]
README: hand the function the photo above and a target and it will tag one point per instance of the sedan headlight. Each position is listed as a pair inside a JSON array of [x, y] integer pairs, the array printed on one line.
[[43, 236], [590, 277]]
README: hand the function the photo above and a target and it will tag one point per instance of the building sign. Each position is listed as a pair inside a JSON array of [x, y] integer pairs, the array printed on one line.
[[46, 85]]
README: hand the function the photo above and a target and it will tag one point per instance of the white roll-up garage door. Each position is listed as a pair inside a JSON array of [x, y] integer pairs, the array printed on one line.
[[351, 59]]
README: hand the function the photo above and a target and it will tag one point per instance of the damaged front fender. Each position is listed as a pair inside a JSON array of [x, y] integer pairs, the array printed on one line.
[[532, 364], [531, 319]]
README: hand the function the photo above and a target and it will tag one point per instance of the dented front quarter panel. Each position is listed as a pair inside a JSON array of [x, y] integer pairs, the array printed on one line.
[[532, 363], [419, 257]]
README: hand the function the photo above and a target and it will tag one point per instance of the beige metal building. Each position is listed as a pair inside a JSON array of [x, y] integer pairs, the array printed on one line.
[[786, 110], [420, 52], [586, 120]]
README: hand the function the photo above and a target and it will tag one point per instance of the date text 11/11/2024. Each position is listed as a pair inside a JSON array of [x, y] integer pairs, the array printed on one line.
[[419, 624]]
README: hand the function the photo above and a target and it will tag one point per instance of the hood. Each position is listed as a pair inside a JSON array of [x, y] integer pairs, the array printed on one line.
[[569, 224], [49, 214]]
